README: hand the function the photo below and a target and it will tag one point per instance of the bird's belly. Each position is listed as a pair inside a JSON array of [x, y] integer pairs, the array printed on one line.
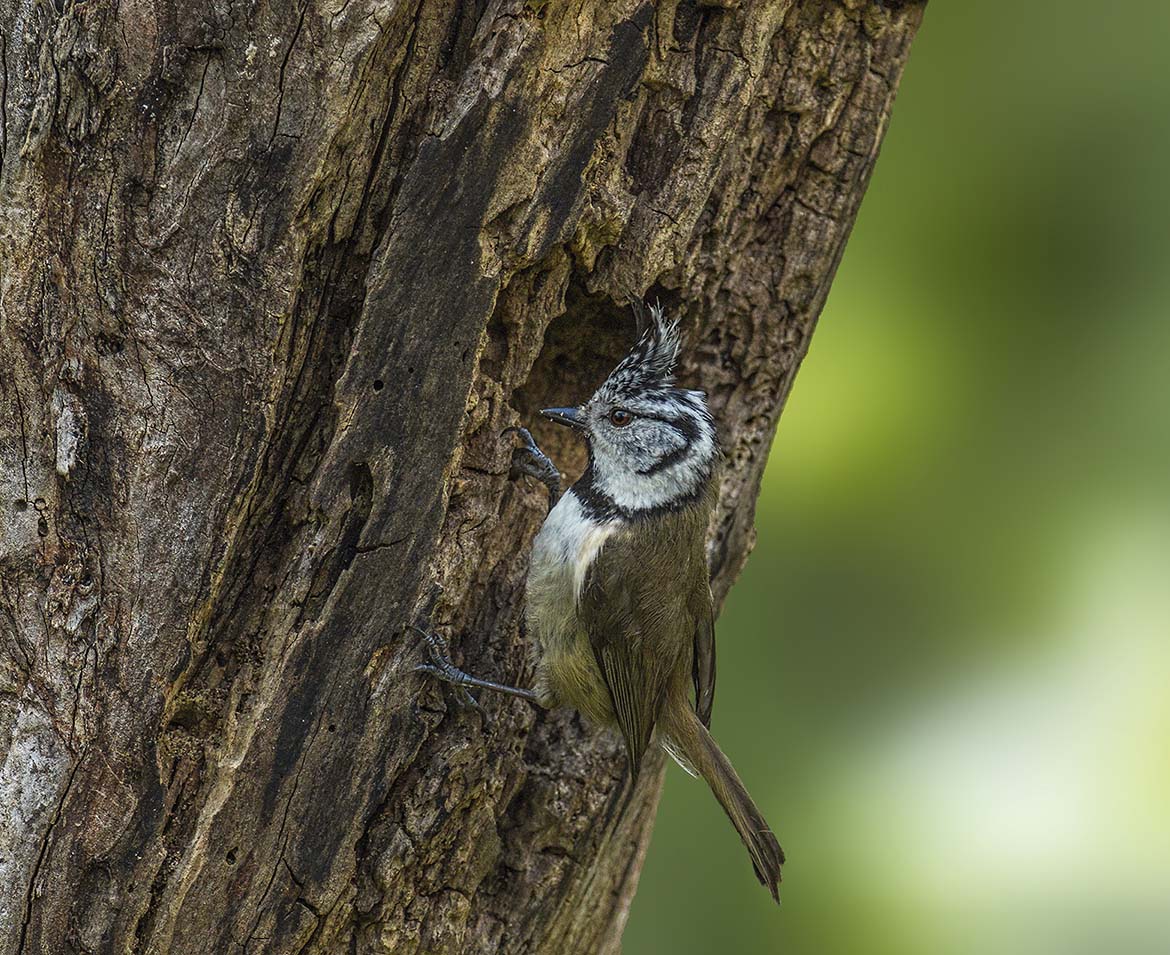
[[550, 608], [566, 669]]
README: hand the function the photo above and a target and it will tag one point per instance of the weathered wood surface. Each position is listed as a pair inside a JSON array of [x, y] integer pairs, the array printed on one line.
[[273, 277]]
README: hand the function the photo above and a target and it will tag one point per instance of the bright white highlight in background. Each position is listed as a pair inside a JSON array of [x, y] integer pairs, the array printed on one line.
[[1030, 811]]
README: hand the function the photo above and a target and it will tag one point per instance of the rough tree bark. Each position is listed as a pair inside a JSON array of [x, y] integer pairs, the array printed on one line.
[[275, 275]]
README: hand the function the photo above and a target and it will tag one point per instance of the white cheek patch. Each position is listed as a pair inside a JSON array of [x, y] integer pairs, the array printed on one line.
[[650, 442], [631, 491]]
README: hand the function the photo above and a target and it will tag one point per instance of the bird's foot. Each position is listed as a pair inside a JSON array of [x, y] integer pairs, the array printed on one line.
[[528, 459], [441, 668]]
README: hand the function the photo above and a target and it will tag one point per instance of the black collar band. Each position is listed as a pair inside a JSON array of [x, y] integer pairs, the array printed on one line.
[[599, 506]]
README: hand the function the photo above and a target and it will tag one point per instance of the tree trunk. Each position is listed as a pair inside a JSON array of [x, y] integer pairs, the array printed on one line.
[[275, 276]]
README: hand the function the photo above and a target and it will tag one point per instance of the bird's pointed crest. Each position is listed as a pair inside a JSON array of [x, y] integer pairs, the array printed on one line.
[[650, 364]]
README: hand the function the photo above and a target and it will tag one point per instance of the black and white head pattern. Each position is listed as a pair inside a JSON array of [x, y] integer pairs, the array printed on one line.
[[652, 446]]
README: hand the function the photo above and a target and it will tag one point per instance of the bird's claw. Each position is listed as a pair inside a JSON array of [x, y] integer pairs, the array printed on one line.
[[441, 668], [524, 433], [528, 459]]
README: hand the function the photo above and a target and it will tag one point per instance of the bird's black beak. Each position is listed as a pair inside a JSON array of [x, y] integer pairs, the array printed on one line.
[[567, 416]]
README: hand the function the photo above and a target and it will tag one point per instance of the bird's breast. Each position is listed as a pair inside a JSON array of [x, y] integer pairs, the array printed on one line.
[[568, 543]]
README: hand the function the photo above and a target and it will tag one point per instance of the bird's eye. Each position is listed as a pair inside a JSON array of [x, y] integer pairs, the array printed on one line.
[[619, 417]]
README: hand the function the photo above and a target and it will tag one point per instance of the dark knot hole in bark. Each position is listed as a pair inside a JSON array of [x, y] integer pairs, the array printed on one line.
[[581, 347]]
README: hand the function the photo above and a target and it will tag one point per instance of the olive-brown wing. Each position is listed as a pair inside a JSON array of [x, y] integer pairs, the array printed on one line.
[[646, 605], [703, 664]]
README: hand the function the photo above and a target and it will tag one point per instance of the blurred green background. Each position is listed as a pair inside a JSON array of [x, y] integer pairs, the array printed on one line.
[[944, 674]]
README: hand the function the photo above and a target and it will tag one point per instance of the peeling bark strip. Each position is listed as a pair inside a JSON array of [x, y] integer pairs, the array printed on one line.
[[273, 278]]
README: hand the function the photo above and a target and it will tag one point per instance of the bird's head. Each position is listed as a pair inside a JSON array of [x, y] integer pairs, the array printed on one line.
[[651, 445]]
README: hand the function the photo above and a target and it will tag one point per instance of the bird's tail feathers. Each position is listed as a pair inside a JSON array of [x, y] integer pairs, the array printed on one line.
[[688, 737]]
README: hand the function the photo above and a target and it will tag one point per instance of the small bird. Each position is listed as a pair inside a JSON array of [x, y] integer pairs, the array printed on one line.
[[618, 598]]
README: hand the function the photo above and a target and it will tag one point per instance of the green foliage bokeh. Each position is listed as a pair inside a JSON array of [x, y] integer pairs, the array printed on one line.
[[944, 672]]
